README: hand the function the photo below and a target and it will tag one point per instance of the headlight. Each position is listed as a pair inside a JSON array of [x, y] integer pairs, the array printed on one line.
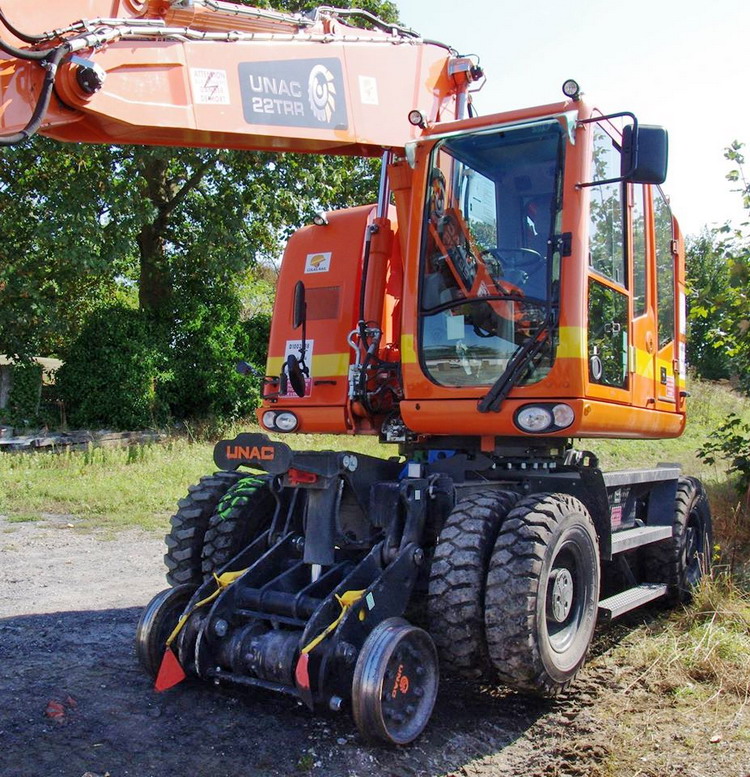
[[534, 419], [544, 418], [269, 419], [563, 415], [286, 421]]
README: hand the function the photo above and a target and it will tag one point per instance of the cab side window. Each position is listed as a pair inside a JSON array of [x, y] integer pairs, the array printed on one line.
[[638, 232], [665, 268], [606, 246], [607, 295]]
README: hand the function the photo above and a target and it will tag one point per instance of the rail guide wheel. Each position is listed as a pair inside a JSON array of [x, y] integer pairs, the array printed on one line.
[[157, 622], [395, 683]]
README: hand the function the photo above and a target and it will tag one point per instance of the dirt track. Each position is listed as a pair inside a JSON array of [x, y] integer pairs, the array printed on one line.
[[69, 604]]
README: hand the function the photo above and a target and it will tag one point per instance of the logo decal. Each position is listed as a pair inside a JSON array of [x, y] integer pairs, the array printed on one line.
[[321, 90], [318, 263], [253, 450], [294, 93]]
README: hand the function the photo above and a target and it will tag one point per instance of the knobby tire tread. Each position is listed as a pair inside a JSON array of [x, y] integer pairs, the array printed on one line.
[[455, 601], [188, 527], [242, 513], [513, 586]]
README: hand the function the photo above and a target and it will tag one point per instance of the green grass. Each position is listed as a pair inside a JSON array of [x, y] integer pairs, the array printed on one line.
[[117, 488], [140, 486]]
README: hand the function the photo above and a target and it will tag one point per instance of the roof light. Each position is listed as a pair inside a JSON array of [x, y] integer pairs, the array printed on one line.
[[320, 220], [417, 118], [571, 89]]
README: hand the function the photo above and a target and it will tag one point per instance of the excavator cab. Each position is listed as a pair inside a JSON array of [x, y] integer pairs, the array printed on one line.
[[530, 277]]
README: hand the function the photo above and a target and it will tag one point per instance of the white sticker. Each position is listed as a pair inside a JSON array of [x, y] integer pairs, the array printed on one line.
[[683, 361], [320, 262], [294, 347], [368, 90], [455, 326], [210, 87]]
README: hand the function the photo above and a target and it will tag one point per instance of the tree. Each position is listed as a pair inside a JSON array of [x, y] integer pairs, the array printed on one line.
[[719, 280], [181, 233]]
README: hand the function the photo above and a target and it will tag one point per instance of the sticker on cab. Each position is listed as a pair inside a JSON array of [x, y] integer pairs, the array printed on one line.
[[320, 262], [294, 347]]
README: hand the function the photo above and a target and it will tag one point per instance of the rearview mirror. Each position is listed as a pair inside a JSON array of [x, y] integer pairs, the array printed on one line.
[[644, 154], [299, 314]]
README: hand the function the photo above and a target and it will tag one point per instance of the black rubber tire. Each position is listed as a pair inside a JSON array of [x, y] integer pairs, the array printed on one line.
[[455, 601], [185, 539], [681, 561], [546, 538], [157, 621], [242, 514]]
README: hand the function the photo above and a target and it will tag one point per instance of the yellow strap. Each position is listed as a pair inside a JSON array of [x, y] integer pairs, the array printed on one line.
[[346, 601], [222, 581]]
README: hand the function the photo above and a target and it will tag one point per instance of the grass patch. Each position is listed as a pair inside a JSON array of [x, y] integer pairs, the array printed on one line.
[[682, 689], [140, 486], [117, 488]]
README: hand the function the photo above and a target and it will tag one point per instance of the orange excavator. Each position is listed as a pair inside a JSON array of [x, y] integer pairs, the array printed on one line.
[[518, 284]]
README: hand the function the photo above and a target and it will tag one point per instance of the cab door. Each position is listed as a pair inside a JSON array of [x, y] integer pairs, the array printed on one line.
[[608, 294], [644, 347], [665, 253]]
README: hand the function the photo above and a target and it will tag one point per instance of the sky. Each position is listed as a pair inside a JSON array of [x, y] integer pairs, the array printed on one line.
[[682, 64]]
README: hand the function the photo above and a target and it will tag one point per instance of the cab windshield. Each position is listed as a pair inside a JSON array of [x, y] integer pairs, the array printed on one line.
[[490, 259]]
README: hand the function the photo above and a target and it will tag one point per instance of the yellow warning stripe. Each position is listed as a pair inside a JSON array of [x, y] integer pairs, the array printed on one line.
[[323, 365]]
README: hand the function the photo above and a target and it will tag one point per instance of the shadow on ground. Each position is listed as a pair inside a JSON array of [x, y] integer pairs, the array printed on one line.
[[113, 722]]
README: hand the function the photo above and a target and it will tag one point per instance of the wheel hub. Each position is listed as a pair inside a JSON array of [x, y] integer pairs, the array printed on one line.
[[561, 594]]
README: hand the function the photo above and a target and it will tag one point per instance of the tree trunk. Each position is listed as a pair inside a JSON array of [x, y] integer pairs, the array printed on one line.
[[155, 281]]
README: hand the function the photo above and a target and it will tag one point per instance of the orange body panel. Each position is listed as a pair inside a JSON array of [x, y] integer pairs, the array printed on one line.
[[253, 90], [329, 260]]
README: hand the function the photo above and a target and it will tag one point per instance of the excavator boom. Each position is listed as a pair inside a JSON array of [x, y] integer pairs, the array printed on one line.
[[219, 74]]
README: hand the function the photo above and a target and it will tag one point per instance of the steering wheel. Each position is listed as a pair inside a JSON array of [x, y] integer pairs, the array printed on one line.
[[527, 258]]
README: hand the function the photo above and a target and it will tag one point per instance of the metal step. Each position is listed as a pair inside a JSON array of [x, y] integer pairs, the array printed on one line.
[[627, 539], [619, 604]]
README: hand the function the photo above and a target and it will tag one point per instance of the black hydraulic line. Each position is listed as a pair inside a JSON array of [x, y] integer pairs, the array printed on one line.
[[32, 56], [25, 37], [50, 65]]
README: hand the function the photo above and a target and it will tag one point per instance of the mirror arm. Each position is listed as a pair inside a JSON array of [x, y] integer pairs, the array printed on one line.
[[634, 158]]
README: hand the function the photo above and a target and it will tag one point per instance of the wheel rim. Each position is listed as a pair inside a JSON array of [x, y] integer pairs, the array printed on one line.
[[395, 683], [568, 591], [157, 623]]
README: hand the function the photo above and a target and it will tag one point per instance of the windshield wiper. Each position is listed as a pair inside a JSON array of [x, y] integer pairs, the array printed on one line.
[[457, 303], [492, 401]]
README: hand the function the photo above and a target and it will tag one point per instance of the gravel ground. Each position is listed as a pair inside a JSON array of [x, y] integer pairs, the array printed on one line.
[[75, 703]]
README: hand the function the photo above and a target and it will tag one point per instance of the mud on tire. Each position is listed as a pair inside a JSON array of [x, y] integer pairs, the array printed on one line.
[[542, 593], [185, 539], [455, 602], [244, 511]]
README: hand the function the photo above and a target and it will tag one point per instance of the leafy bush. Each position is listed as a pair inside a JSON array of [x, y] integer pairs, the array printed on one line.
[[112, 372], [23, 400], [731, 441]]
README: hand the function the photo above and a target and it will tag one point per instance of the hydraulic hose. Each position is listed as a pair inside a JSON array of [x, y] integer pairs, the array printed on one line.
[[50, 65], [33, 56], [20, 35]]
